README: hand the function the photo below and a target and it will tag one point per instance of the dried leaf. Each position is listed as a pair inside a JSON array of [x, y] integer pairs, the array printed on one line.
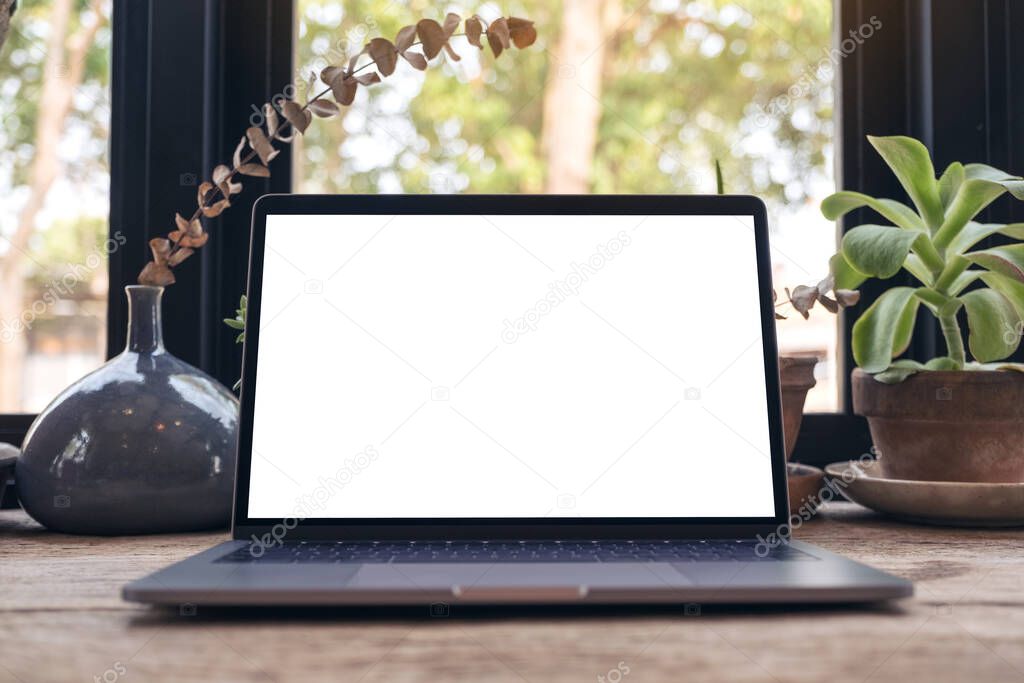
[[847, 297], [273, 124], [220, 174], [323, 108], [368, 79], [161, 248], [236, 158], [201, 194], [384, 54], [498, 36], [195, 242], [181, 222], [222, 178], [156, 275], [451, 22], [257, 170], [346, 94], [522, 32], [310, 84], [803, 298], [495, 44], [261, 144], [417, 60], [204, 194], [403, 42], [343, 87], [296, 115], [474, 29], [499, 27], [779, 316], [354, 59], [185, 227], [405, 38], [830, 304], [432, 36], [189, 241], [216, 209], [330, 74], [826, 285], [179, 256]]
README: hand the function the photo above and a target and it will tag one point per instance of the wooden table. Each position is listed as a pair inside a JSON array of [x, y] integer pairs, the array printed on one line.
[[61, 619]]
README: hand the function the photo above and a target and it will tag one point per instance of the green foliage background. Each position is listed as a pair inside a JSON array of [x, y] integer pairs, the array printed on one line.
[[684, 83]]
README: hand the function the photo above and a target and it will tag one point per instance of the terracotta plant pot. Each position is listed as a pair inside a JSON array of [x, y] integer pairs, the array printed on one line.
[[946, 426], [797, 374]]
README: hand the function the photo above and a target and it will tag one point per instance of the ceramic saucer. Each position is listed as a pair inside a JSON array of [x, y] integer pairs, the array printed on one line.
[[932, 502]]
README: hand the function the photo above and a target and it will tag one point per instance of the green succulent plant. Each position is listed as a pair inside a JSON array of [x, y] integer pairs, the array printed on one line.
[[934, 242]]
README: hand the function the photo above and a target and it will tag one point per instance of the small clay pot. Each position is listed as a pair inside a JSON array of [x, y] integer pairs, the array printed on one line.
[[805, 484], [946, 426], [797, 375]]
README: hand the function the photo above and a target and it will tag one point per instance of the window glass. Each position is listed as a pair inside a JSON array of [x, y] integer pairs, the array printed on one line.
[[617, 96], [54, 181]]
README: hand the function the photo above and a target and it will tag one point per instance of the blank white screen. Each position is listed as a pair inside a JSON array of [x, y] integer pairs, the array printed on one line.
[[510, 366]]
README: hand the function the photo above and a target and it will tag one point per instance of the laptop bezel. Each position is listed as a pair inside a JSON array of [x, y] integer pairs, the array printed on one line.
[[244, 527]]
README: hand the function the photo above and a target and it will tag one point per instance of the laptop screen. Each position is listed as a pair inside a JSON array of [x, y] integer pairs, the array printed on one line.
[[510, 366]]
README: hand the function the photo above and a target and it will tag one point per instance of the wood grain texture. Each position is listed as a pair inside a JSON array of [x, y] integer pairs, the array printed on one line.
[[61, 619]]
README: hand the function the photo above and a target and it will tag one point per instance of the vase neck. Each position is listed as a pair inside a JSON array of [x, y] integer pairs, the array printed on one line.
[[145, 326]]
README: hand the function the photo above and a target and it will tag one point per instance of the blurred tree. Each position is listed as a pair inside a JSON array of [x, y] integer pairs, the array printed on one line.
[[41, 109], [7, 8], [575, 86]]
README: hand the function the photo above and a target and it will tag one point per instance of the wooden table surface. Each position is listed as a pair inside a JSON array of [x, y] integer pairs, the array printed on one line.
[[61, 619]]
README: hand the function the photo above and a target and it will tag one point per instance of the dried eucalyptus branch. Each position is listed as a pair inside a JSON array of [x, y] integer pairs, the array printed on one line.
[[256, 149], [803, 297]]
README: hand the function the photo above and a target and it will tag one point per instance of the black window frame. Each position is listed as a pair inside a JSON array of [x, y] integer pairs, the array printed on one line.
[[941, 71], [185, 76], [203, 66]]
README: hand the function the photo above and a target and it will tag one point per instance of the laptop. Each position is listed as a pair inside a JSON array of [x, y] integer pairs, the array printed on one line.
[[456, 400]]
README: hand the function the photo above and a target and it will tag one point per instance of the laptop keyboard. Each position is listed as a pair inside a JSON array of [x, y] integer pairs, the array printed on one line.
[[384, 552]]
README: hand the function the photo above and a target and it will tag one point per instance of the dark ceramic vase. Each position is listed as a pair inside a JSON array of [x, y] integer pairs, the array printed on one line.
[[144, 444]]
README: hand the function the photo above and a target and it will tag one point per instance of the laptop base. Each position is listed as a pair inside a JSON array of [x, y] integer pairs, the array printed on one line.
[[203, 580]]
